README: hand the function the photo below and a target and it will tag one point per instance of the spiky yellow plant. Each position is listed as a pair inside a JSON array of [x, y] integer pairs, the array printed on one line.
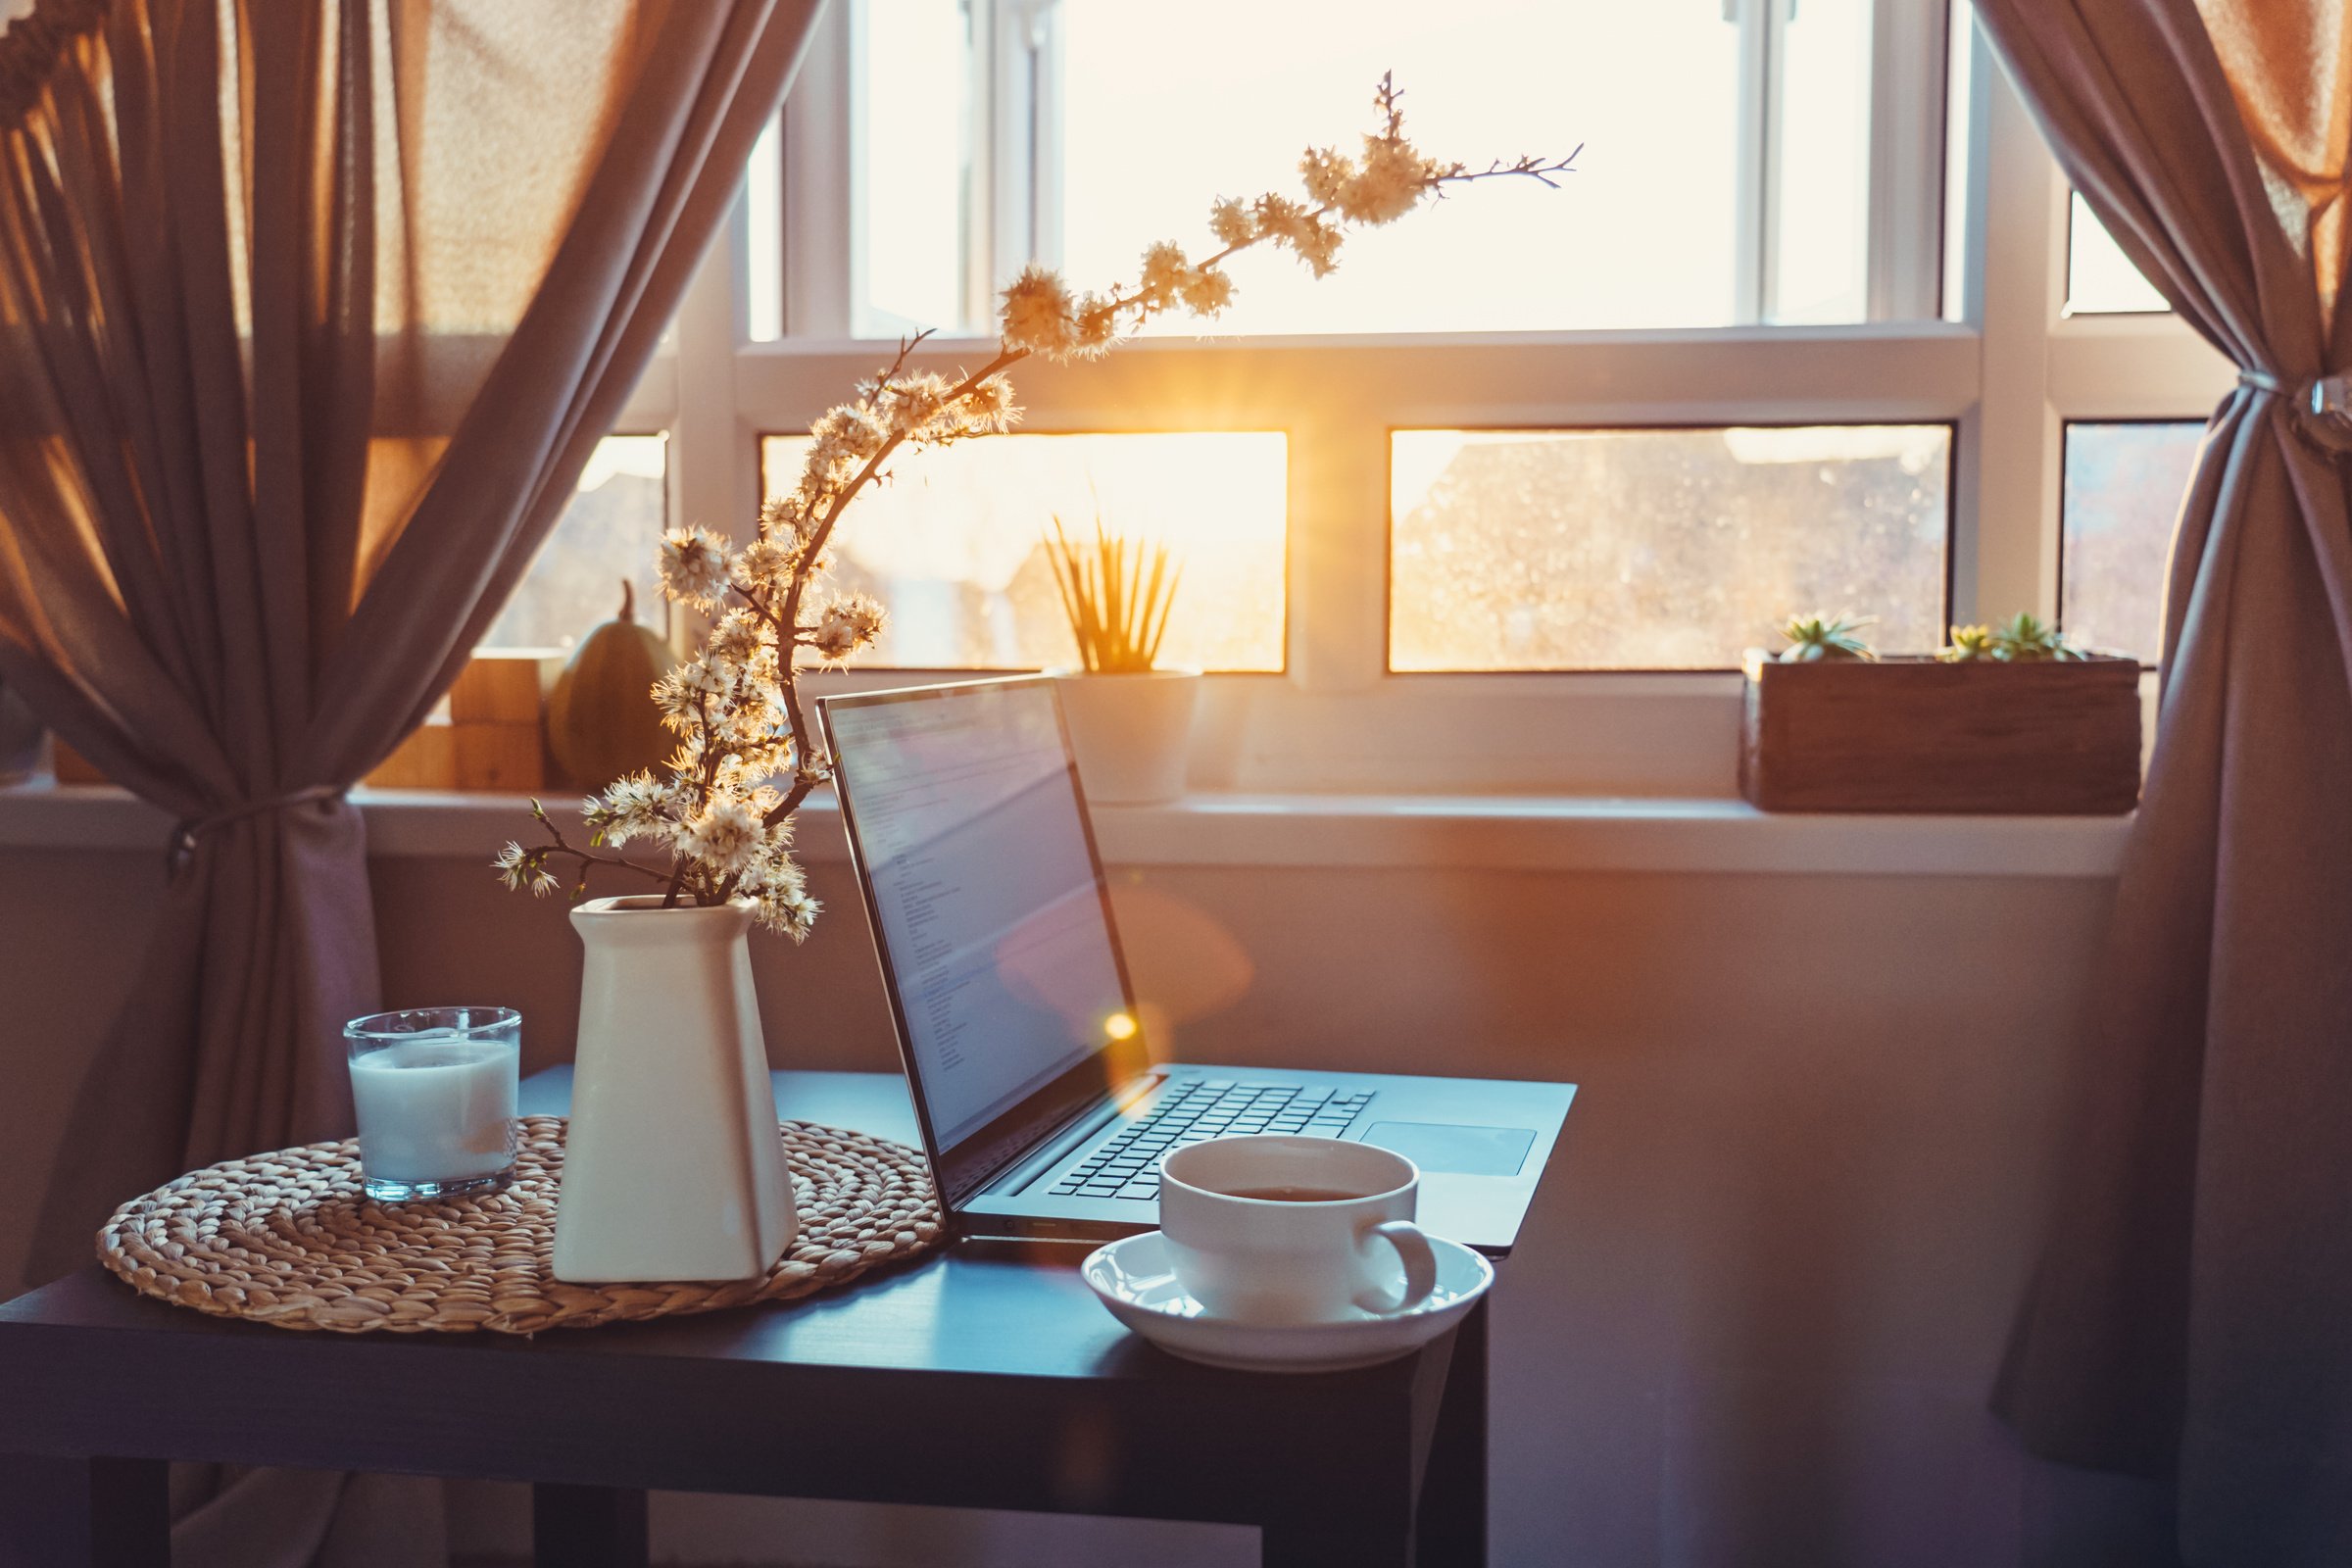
[[1118, 594]]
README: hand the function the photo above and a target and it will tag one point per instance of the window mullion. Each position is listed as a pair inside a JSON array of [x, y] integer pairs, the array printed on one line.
[[1754, 223], [2135, 367], [1338, 536], [982, 175], [857, 183], [820, 237], [1015, 198], [1908, 119], [713, 469], [764, 237], [2008, 561], [1036, 61]]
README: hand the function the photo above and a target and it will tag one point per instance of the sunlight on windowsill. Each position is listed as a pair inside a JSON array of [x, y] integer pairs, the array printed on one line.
[[1553, 833]]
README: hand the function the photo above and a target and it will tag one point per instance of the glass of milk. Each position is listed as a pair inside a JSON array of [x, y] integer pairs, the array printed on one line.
[[434, 1089]]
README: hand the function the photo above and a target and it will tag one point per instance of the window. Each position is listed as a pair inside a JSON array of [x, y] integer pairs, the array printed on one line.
[[605, 536], [1820, 258], [1668, 84], [1746, 174], [2124, 484], [1658, 549], [910, 153], [955, 544], [1499, 505], [2101, 278]]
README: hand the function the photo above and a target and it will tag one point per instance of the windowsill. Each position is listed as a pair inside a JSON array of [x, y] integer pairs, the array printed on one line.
[[1516, 833]]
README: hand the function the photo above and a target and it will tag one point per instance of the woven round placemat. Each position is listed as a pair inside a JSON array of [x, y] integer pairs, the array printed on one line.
[[292, 1239]]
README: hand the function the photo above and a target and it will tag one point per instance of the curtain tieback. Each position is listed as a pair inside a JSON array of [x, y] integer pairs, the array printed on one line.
[[188, 829], [2321, 407]]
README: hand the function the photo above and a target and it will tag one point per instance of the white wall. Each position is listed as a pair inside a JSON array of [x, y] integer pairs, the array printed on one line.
[[1768, 1279]]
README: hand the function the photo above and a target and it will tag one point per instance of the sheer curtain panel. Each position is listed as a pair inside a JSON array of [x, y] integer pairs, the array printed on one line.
[[313, 309]]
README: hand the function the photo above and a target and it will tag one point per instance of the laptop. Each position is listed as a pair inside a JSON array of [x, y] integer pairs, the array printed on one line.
[[1042, 1110]]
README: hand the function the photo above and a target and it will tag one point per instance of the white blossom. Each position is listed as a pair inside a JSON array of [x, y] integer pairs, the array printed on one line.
[[735, 639], [990, 407], [846, 628], [1205, 291], [788, 517], [693, 565], [1164, 271], [638, 807], [701, 674], [724, 836], [789, 911], [916, 403], [1389, 183], [774, 874], [1325, 174], [846, 436], [1230, 220], [767, 566], [754, 712], [1037, 315]]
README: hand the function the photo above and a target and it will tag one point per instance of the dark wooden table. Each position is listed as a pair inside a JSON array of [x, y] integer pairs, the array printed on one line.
[[985, 1376]]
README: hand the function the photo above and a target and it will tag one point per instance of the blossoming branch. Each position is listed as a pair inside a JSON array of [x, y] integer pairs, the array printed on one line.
[[746, 759]]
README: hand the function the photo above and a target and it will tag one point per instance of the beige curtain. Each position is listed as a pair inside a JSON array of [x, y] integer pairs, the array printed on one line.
[[312, 310], [2192, 1317]]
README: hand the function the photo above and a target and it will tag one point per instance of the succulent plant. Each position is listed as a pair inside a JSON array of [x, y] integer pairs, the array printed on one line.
[[1821, 635], [1969, 645], [2026, 640]]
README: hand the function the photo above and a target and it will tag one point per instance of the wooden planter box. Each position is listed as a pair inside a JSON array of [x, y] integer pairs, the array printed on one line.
[[1915, 734]]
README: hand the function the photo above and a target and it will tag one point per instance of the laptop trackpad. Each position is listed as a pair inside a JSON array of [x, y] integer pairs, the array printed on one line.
[[1463, 1151]]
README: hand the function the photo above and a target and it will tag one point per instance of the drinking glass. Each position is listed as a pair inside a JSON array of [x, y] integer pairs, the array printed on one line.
[[434, 1089]]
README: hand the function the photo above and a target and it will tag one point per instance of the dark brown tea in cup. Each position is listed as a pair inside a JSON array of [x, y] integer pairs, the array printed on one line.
[[1293, 1195]]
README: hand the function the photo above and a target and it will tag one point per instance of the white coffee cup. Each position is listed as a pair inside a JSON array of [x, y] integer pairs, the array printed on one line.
[[1276, 1229]]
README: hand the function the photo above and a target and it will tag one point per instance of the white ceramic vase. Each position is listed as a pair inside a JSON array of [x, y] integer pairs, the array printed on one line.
[[1132, 733], [674, 1168]]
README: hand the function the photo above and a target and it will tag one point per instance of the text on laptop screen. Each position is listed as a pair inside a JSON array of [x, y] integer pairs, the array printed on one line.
[[985, 893]]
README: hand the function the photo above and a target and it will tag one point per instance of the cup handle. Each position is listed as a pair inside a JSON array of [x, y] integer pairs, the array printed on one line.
[[1420, 1266]]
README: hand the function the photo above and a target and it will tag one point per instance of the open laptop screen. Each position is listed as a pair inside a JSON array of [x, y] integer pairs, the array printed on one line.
[[987, 902]]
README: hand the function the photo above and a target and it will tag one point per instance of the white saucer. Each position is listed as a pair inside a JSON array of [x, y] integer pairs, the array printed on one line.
[[1134, 1280]]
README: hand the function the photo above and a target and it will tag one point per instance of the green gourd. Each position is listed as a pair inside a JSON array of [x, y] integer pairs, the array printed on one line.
[[602, 723]]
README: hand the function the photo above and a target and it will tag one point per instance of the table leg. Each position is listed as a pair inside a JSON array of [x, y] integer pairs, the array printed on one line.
[[1453, 1525], [109, 1513], [130, 1513], [587, 1527], [1336, 1545]]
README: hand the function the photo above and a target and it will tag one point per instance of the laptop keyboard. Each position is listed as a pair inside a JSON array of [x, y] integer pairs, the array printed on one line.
[[1192, 1110]]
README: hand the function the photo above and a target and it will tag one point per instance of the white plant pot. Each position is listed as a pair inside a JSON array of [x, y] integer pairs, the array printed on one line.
[[674, 1168], [1132, 733]]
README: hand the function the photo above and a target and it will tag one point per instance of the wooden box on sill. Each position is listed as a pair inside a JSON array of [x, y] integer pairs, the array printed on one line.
[[1916, 734]]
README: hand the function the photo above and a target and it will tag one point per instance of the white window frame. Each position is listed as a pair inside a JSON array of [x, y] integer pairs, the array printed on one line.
[[2007, 376]]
